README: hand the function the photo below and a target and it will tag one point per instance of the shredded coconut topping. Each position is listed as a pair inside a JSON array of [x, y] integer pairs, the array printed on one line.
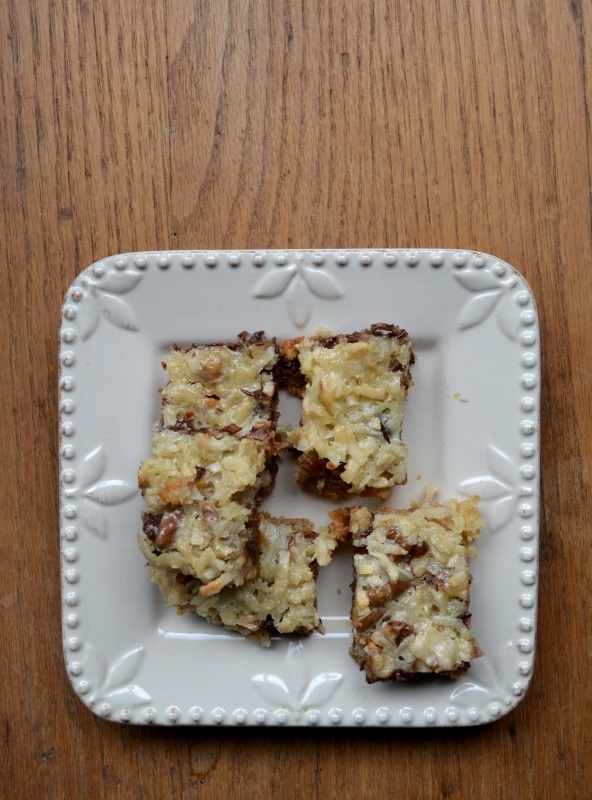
[[352, 408], [411, 590]]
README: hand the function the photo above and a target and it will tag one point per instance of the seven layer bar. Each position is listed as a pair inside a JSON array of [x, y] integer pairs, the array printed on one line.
[[281, 598], [410, 607], [353, 389], [214, 459]]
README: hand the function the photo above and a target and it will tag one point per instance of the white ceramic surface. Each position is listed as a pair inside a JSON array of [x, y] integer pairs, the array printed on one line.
[[471, 425]]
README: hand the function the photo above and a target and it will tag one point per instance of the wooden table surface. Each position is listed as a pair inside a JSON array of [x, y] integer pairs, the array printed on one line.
[[359, 123]]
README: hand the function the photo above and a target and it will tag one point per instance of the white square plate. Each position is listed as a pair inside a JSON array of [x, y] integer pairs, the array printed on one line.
[[471, 425]]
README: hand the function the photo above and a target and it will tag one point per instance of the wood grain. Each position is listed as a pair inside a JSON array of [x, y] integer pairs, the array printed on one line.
[[141, 125]]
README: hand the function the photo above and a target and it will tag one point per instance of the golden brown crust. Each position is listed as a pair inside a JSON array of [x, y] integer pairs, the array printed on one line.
[[288, 365], [214, 460], [340, 522], [353, 387], [314, 475], [288, 373], [279, 599], [411, 589], [244, 340]]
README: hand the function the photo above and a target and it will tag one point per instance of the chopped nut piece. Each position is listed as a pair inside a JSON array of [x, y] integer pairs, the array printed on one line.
[[353, 389], [214, 459], [418, 623], [281, 597], [221, 384], [167, 529]]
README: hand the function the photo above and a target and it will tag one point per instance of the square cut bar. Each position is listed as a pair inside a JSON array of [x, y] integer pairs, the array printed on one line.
[[227, 387], [200, 467], [220, 546], [410, 608], [214, 459], [353, 389], [281, 598]]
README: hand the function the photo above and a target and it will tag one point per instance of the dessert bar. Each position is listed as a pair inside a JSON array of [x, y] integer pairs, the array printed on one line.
[[410, 607], [353, 389]]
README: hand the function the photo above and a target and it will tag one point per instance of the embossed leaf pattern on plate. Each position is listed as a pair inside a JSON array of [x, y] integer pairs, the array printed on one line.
[[298, 691], [483, 680], [115, 682], [499, 491], [92, 493], [100, 297], [298, 303], [297, 676], [275, 282], [298, 282], [490, 292]]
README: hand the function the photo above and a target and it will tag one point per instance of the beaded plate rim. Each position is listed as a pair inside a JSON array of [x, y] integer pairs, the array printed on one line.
[[101, 298]]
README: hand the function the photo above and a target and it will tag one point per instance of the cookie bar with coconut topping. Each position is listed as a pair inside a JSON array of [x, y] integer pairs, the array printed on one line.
[[353, 389], [214, 459], [218, 545], [281, 598], [202, 467], [228, 387], [410, 609]]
